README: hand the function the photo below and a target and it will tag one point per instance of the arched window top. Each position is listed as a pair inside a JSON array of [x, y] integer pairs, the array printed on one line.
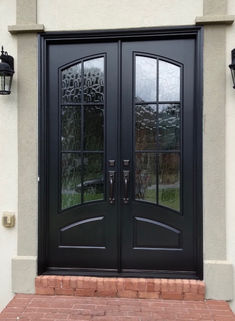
[[169, 81], [83, 82], [156, 80]]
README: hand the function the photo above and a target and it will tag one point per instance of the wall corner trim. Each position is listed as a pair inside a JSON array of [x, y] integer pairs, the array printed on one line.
[[215, 20], [28, 28], [218, 276], [24, 271]]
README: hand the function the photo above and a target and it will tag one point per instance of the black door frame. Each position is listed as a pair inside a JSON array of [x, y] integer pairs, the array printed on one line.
[[44, 39]]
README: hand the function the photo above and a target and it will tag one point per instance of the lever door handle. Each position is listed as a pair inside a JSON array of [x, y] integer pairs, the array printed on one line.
[[126, 178], [111, 187]]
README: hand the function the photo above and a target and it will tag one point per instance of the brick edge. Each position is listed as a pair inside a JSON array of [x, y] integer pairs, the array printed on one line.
[[170, 289]]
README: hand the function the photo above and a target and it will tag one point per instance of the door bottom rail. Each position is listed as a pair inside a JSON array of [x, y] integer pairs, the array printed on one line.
[[171, 289]]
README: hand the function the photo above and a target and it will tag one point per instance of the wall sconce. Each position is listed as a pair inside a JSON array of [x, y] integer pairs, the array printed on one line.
[[232, 67], [6, 72]]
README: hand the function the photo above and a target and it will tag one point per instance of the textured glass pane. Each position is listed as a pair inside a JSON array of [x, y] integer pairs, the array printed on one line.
[[71, 128], [169, 126], [145, 127], [169, 180], [169, 82], [94, 80], [93, 128], [71, 180], [145, 177], [93, 180], [71, 84], [146, 79]]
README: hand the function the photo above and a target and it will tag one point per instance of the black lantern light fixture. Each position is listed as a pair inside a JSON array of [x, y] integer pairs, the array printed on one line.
[[6, 72], [232, 67]]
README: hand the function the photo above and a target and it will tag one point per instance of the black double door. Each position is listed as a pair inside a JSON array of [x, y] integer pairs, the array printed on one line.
[[121, 171]]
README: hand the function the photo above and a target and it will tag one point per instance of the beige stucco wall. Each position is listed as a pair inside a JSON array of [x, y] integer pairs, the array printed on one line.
[[8, 157], [230, 150], [102, 14], [218, 117]]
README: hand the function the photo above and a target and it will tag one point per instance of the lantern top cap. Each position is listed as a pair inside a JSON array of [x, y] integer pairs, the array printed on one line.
[[6, 59], [6, 68], [232, 65]]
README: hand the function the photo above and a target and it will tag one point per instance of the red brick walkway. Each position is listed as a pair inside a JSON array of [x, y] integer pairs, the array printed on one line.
[[65, 308]]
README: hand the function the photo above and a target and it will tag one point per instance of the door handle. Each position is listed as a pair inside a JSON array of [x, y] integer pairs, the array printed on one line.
[[111, 187], [126, 178]]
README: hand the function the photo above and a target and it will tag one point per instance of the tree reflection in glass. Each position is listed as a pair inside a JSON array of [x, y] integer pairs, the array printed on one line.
[[145, 129], [145, 177]]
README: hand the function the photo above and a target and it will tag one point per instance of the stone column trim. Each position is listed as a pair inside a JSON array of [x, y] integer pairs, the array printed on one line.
[[15, 29], [215, 20]]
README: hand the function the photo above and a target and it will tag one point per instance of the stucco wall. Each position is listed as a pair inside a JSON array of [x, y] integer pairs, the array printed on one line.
[[230, 150], [8, 157], [102, 14]]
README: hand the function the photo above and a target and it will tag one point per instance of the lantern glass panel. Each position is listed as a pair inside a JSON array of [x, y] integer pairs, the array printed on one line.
[[5, 84], [8, 80]]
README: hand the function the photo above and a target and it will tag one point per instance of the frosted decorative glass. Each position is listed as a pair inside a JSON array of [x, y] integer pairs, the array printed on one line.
[[70, 180], [71, 84], [71, 128], [94, 80]]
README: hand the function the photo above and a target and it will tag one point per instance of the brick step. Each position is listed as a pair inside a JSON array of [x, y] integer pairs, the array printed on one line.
[[171, 289]]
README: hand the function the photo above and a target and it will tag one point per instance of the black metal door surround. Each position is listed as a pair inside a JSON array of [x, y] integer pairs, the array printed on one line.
[[120, 153]]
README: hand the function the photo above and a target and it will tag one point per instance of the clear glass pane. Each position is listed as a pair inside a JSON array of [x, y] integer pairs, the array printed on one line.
[[71, 128], [5, 83], [169, 180], [169, 82], [146, 79], [169, 126], [70, 180], [145, 177], [93, 128], [145, 127], [94, 80], [93, 180], [71, 84]]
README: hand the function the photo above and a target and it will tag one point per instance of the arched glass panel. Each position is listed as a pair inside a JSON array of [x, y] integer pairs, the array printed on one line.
[[157, 132], [71, 84], [169, 81], [82, 133], [146, 79], [94, 80]]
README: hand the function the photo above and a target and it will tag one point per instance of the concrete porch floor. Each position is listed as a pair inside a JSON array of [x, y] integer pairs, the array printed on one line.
[[64, 308]]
